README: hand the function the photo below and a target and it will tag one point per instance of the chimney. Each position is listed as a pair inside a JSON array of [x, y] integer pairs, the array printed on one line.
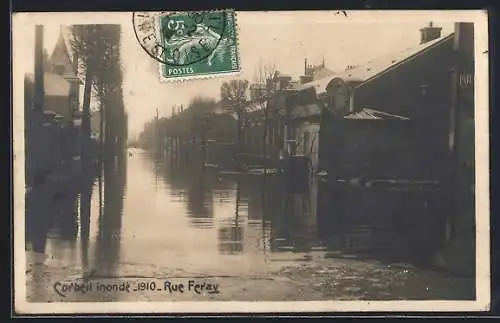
[[429, 33], [464, 38], [39, 73], [305, 66]]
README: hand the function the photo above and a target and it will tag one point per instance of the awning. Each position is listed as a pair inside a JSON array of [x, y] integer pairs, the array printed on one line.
[[370, 114]]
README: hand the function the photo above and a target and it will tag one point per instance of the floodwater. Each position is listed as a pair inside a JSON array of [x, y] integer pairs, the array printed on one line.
[[151, 222]]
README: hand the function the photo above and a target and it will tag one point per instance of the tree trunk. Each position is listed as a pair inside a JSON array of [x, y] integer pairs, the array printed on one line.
[[239, 134], [101, 154], [101, 123], [85, 130], [108, 153]]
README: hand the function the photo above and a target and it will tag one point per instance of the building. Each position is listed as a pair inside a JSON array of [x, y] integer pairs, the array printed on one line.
[[314, 72], [412, 84], [391, 137], [51, 109], [61, 83]]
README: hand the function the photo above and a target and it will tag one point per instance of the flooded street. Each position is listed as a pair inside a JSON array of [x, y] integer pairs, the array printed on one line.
[[156, 226]]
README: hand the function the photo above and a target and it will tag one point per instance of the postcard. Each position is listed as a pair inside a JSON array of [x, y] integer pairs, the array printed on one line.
[[227, 161]]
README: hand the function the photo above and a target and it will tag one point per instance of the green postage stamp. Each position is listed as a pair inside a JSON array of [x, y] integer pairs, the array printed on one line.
[[190, 44]]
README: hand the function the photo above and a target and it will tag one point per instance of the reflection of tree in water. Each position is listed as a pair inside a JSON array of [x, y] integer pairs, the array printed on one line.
[[294, 223], [86, 183], [110, 220], [68, 211], [39, 211], [251, 193], [271, 194], [262, 196], [195, 184], [52, 205], [230, 231], [199, 195]]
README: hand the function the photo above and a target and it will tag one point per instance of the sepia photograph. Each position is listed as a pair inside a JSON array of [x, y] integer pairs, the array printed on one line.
[[246, 161]]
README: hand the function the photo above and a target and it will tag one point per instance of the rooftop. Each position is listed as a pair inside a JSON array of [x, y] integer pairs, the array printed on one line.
[[373, 68]]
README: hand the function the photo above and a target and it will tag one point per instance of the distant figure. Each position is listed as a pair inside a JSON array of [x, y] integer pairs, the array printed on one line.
[[130, 154]]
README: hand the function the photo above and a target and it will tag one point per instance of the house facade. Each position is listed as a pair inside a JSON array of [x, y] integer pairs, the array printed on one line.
[[390, 138], [61, 82], [53, 120]]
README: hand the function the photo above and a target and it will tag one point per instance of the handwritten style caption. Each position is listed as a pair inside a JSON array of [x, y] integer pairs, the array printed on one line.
[[198, 287]]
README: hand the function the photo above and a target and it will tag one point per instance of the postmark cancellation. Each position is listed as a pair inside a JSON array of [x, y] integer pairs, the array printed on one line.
[[190, 45]]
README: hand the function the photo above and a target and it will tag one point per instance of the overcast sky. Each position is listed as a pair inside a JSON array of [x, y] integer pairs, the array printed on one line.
[[284, 38]]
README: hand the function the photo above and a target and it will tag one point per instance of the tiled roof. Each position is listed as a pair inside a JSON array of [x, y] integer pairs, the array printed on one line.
[[373, 68], [61, 57], [370, 114], [54, 84], [61, 52]]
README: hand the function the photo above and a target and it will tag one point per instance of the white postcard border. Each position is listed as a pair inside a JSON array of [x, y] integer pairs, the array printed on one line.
[[27, 21]]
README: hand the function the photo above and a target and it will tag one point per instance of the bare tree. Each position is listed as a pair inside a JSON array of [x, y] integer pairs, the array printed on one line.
[[265, 75], [234, 99]]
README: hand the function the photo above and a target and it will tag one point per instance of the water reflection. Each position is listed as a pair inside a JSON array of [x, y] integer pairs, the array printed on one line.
[[191, 184], [162, 216], [258, 213], [110, 220], [60, 213], [261, 212], [230, 232]]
